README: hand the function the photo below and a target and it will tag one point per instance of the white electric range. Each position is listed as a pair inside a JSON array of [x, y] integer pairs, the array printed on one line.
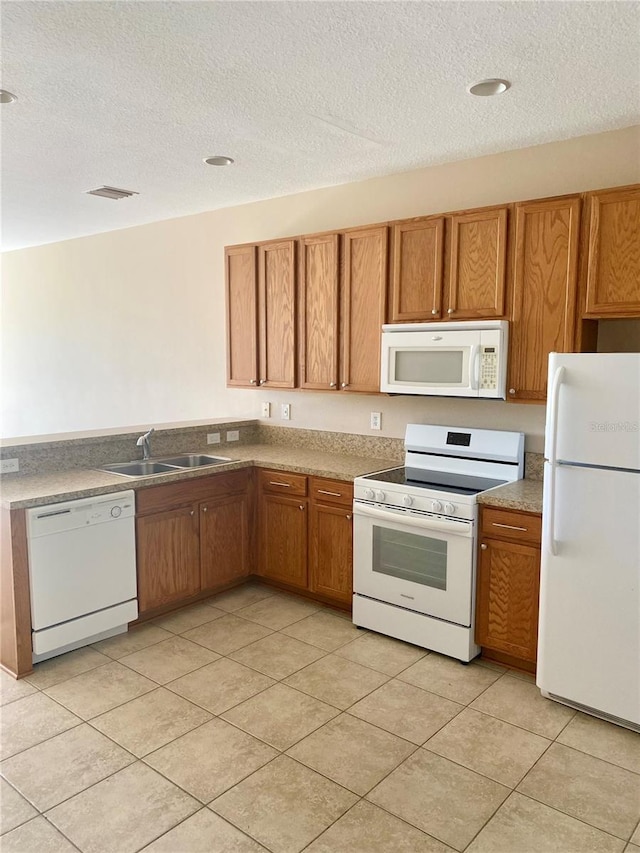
[[415, 535]]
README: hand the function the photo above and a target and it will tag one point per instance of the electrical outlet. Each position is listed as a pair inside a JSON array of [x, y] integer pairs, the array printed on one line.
[[233, 435], [376, 420], [285, 411], [266, 410], [9, 466], [213, 438]]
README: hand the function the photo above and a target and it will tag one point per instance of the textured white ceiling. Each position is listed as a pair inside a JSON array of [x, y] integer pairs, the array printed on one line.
[[301, 94]]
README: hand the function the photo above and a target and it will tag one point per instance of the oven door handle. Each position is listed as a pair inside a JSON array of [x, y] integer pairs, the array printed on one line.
[[424, 523]]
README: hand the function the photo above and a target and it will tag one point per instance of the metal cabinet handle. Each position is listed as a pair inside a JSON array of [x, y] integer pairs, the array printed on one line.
[[509, 526], [344, 385], [332, 385], [284, 485], [349, 517], [434, 311], [193, 512], [450, 310], [512, 390], [252, 381], [301, 506], [204, 509], [262, 381], [333, 494], [483, 547]]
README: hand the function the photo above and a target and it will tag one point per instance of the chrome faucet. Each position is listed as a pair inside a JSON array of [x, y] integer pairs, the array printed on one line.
[[145, 443]]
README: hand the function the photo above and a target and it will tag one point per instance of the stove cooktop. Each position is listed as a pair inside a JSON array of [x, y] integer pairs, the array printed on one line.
[[421, 478]]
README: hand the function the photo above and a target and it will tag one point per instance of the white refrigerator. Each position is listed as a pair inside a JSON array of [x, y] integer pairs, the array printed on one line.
[[589, 631]]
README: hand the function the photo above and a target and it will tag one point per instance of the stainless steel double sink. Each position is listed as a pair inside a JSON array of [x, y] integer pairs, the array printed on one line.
[[164, 466]]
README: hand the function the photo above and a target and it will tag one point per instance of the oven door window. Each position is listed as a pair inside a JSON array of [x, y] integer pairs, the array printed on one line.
[[410, 557]]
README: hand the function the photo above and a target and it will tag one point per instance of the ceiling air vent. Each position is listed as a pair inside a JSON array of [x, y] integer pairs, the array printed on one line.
[[111, 192]]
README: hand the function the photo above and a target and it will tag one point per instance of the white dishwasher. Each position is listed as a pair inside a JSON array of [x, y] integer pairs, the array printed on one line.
[[82, 571]]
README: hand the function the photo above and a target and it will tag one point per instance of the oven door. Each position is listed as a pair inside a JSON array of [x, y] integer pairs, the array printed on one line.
[[415, 560]]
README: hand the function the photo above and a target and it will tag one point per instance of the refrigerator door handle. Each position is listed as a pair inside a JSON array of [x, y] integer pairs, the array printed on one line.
[[558, 378]]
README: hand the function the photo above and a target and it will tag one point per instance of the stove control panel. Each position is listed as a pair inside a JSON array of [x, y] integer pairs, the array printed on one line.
[[422, 500]]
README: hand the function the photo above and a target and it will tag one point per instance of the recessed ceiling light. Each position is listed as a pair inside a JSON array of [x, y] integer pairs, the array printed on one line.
[[493, 86], [219, 160], [7, 97]]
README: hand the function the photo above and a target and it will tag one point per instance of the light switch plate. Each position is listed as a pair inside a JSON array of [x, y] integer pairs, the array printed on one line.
[[9, 466], [233, 435], [376, 420], [285, 411], [266, 410], [213, 438]]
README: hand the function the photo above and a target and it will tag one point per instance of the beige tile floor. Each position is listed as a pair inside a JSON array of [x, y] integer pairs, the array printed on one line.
[[258, 721]]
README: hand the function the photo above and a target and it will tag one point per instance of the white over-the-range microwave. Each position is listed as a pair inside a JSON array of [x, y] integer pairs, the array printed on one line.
[[461, 359]]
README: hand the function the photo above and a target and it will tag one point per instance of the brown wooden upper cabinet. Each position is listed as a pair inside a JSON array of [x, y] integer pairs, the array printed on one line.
[[261, 303], [276, 313], [477, 264], [460, 279], [363, 308], [544, 292], [416, 273], [613, 263], [318, 277], [242, 315]]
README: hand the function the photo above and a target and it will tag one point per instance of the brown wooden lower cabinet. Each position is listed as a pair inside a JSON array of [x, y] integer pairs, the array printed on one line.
[[224, 540], [282, 549], [192, 536], [508, 586], [331, 550], [168, 557], [306, 534]]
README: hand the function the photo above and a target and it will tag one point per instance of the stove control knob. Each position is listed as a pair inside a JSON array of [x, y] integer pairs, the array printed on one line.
[[407, 500], [449, 508], [436, 506], [380, 496], [369, 494]]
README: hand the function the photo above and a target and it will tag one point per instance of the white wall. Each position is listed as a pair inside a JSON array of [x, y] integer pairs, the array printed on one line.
[[128, 327]]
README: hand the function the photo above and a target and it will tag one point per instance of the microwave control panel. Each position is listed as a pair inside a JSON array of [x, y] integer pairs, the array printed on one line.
[[489, 368]]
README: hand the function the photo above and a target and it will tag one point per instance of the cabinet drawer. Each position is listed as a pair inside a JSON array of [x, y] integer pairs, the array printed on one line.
[[189, 491], [510, 524], [327, 491], [283, 483]]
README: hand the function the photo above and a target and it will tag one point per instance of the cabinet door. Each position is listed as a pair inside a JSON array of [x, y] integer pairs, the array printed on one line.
[[276, 277], [168, 557], [282, 552], [508, 593], [363, 307], [416, 279], [242, 315], [477, 265], [544, 293], [224, 541], [331, 552], [613, 264], [318, 287]]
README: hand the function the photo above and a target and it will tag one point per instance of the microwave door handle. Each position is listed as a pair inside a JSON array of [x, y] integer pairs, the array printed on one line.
[[475, 367], [425, 523]]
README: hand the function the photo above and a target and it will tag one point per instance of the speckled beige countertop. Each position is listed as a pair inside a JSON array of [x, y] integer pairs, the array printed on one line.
[[525, 495], [21, 491]]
